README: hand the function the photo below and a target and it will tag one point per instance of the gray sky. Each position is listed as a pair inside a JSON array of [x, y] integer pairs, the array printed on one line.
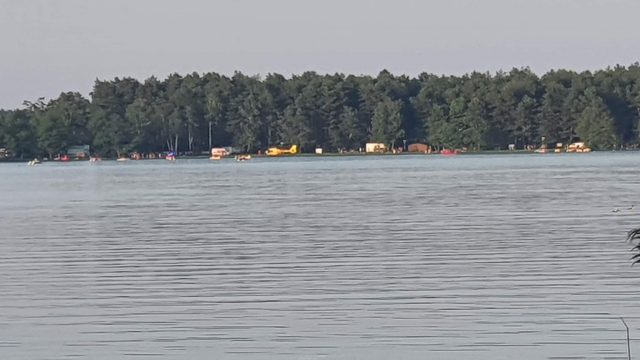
[[49, 46]]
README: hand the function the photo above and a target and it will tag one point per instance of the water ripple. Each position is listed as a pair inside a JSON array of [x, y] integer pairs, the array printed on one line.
[[474, 257]]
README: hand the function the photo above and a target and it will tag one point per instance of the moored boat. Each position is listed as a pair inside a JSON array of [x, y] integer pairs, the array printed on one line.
[[243, 157]]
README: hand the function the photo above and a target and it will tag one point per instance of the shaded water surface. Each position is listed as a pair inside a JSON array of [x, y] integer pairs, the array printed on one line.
[[410, 257]]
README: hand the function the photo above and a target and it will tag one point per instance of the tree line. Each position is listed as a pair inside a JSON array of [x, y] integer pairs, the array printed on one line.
[[476, 111]]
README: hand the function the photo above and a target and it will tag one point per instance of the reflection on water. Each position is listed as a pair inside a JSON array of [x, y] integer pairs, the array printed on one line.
[[410, 257]]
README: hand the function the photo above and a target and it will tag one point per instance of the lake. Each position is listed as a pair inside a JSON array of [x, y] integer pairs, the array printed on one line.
[[376, 257]]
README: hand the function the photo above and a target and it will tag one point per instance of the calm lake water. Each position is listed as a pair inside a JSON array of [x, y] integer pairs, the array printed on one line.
[[409, 257]]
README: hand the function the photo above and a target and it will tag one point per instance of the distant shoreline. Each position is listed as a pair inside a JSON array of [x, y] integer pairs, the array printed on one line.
[[311, 155], [196, 111]]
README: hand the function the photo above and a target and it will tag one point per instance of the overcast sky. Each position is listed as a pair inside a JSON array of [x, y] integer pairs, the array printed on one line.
[[49, 46]]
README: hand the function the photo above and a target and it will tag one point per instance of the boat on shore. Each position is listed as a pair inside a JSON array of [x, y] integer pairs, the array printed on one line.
[[218, 153], [276, 151], [243, 157], [578, 147]]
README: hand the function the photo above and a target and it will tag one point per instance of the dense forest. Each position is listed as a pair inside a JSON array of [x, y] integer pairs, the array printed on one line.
[[337, 112]]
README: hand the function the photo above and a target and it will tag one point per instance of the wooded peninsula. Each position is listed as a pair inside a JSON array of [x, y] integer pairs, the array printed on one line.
[[477, 111]]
